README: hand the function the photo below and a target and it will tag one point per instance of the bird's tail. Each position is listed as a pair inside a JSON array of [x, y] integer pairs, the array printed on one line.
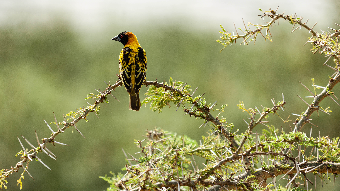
[[134, 101]]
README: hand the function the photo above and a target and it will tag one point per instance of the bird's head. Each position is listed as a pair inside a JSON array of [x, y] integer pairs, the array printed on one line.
[[125, 38]]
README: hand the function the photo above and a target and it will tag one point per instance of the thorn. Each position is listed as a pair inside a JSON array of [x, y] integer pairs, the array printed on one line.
[[264, 124], [78, 130], [328, 65], [303, 101], [179, 104], [64, 118], [307, 88], [42, 163], [334, 100], [311, 122], [55, 119], [49, 127], [184, 86], [28, 142], [22, 146], [258, 110], [36, 135], [319, 87], [323, 111], [61, 143], [50, 153], [273, 101], [53, 157], [115, 97], [212, 105], [245, 122], [205, 123], [335, 97], [192, 92], [107, 83], [126, 156]]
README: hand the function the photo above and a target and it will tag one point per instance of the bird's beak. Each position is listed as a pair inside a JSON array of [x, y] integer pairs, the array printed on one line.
[[116, 38]]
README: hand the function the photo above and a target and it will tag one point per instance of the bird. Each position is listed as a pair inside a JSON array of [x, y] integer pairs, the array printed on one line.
[[132, 66]]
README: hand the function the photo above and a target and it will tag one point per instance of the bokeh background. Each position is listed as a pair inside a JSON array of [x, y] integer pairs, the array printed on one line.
[[53, 53]]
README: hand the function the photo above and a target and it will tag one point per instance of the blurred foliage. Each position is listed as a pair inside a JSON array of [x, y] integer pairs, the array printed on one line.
[[50, 68]]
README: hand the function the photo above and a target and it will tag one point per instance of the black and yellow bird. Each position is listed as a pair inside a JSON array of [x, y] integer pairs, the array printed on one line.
[[132, 66]]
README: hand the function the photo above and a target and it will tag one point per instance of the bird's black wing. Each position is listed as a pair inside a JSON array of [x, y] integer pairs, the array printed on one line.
[[125, 60], [141, 67]]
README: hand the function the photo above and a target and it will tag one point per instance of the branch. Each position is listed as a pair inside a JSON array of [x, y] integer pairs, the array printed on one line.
[[326, 43], [316, 102], [228, 38], [27, 156], [304, 167], [254, 123], [203, 109]]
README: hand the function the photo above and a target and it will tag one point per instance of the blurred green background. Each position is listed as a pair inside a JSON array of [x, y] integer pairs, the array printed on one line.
[[52, 54]]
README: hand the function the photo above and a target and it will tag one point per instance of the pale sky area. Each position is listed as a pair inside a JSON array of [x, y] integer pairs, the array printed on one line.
[[91, 16]]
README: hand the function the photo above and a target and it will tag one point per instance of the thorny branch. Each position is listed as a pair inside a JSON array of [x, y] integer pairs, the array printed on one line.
[[212, 175], [228, 38], [27, 156], [203, 109], [326, 43], [327, 91]]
